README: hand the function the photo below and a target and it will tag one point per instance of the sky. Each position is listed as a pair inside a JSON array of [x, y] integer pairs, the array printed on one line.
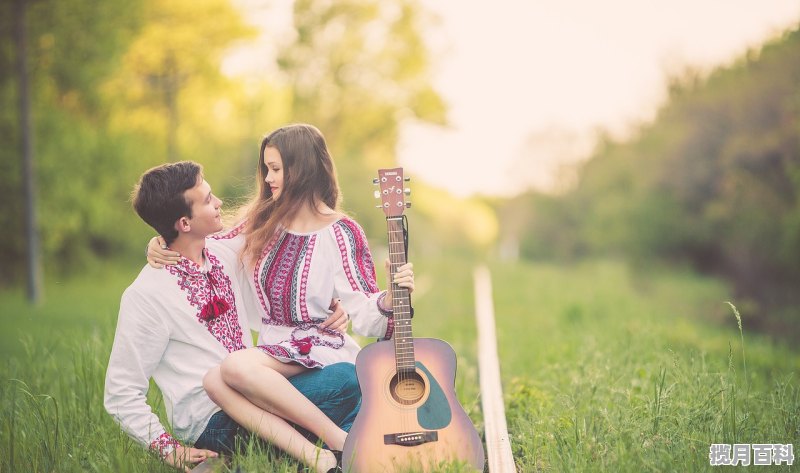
[[530, 83]]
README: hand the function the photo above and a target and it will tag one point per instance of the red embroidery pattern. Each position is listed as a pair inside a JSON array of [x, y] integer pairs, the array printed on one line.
[[356, 251], [277, 280], [309, 252], [278, 351], [164, 444], [389, 328], [343, 253], [264, 261], [323, 337], [281, 278], [202, 288], [230, 233]]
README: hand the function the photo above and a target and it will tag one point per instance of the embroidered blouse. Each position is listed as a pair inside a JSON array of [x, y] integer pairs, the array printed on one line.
[[164, 332], [293, 282]]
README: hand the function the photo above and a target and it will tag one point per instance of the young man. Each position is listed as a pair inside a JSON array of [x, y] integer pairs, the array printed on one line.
[[179, 322]]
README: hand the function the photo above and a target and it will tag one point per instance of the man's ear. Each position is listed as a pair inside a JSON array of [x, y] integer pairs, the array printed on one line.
[[182, 225]]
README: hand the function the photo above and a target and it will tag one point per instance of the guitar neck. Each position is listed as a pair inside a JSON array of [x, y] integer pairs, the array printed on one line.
[[401, 303]]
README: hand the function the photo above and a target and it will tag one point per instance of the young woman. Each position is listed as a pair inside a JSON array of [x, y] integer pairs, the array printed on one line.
[[298, 251]]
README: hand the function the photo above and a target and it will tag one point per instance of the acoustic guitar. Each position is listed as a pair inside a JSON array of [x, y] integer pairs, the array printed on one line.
[[410, 418]]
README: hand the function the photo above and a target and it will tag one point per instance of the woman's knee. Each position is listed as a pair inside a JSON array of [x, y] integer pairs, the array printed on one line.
[[212, 383], [235, 369]]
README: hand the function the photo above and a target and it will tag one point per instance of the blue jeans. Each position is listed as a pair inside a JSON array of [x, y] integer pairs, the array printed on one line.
[[334, 389]]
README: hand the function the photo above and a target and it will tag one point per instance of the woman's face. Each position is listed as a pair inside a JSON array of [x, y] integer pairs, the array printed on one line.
[[274, 164]]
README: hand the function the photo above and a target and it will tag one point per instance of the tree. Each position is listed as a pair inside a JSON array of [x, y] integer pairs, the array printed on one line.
[[31, 230], [109, 82], [356, 69], [712, 181]]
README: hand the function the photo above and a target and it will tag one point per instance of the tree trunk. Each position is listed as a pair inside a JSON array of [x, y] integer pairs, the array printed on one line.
[[28, 179]]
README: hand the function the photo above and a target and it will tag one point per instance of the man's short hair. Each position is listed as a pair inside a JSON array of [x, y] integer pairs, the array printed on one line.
[[158, 196]]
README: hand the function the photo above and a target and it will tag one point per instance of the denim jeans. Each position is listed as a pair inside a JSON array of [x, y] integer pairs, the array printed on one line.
[[334, 389]]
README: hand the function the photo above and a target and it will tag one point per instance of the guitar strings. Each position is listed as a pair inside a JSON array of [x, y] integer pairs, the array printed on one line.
[[403, 356]]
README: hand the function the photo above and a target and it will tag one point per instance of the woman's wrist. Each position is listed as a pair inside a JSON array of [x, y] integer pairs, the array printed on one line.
[[385, 303]]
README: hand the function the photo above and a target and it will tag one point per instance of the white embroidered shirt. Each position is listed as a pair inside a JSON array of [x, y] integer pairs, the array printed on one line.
[[167, 330]]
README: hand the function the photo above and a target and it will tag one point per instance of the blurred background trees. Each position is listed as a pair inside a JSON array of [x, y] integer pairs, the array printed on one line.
[[119, 86], [711, 183], [122, 86], [115, 89]]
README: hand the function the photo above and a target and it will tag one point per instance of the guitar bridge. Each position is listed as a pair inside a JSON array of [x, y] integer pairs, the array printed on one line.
[[411, 439]]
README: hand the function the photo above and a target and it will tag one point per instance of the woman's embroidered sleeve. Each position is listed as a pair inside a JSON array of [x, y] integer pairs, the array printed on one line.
[[233, 238], [355, 283]]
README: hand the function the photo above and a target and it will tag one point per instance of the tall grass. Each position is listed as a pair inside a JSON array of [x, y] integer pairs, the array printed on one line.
[[603, 370], [610, 371]]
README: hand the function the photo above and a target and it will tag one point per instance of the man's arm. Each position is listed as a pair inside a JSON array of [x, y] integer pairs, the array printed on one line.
[[139, 344]]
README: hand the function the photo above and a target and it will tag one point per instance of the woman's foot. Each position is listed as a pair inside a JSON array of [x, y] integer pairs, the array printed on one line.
[[329, 461], [338, 467]]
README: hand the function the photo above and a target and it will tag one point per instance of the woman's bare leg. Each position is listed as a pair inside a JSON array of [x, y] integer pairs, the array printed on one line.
[[266, 425], [262, 380]]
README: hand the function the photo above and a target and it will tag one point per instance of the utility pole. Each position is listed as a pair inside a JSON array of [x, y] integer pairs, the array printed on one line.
[[28, 178]]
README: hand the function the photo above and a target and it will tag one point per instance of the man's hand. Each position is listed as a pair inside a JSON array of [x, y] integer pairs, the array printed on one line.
[[339, 319], [182, 457], [158, 253]]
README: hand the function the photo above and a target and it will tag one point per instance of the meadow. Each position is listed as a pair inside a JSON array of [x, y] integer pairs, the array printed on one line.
[[604, 369]]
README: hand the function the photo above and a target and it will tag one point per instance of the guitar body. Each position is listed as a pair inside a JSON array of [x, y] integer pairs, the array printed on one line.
[[412, 421]]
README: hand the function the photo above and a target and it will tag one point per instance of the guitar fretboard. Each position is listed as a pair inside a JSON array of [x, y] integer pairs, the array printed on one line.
[[403, 337]]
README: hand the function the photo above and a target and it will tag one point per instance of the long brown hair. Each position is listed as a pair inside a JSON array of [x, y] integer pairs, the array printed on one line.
[[309, 177]]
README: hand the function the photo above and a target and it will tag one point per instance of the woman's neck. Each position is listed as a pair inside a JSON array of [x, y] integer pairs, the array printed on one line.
[[309, 219]]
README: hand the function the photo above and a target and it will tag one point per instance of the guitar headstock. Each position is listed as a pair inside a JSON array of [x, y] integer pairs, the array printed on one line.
[[392, 193]]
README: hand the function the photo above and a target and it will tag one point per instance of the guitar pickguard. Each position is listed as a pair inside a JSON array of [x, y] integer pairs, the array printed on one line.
[[435, 412]]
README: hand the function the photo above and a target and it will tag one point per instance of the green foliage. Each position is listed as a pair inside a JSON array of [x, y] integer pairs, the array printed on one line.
[[115, 90], [123, 86], [61, 36], [712, 182]]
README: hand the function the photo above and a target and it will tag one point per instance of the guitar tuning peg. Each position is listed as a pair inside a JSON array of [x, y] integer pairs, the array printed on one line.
[[377, 194], [407, 191], [406, 179], [378, 206], [408, 205], [375, 181]]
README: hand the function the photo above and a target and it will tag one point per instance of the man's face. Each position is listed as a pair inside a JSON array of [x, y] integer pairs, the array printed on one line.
[[205, 218]]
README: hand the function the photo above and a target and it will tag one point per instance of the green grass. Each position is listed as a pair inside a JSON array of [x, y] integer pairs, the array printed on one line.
[[603, 369]]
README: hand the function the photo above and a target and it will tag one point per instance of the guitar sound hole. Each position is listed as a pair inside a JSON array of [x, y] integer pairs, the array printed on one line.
[[407, 388]]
